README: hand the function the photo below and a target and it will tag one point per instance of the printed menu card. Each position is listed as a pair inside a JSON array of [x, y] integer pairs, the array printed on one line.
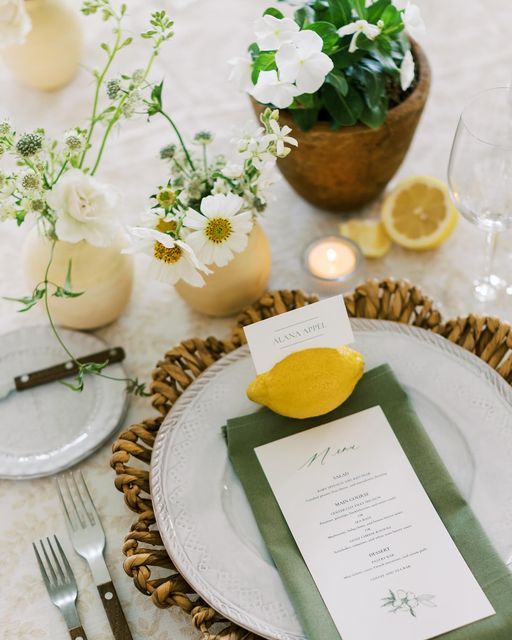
[[383, 562]]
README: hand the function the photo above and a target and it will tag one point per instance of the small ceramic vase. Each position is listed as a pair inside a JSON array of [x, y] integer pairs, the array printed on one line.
[[50, 56], [230, 289], [103, 273]]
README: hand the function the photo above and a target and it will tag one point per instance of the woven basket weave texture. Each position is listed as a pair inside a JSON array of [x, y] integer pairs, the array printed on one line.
[[146, 557]]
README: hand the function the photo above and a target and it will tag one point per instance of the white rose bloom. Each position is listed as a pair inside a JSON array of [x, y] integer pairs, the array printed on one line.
[[15, 22], [272, 32], [270, 90], [84, 208], [407, 71]]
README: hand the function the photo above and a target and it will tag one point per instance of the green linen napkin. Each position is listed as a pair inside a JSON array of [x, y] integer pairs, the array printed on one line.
[[377, 387]]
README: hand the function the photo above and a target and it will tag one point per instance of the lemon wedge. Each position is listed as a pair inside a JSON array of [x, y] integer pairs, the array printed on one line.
[[370, 235], [309, 383], [418, 214]]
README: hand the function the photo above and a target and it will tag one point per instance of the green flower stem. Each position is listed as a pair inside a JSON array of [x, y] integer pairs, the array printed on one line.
[[99, 84], [177, 132], [47, 305], [132, 383], [117, 115], [61, 171], [205, 160]]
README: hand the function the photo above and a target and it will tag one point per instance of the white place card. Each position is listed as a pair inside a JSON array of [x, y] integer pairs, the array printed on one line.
[[381, 557], [322, 324]]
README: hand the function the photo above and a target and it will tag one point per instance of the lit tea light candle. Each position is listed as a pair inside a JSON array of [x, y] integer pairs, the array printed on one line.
[[333, 259]]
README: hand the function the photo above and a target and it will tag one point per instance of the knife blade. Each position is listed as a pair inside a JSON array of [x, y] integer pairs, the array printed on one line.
[[59, 372]]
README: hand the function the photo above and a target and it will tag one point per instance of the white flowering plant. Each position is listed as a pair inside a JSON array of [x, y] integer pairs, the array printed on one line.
[[341, 61], [205, 212], [54, 180]]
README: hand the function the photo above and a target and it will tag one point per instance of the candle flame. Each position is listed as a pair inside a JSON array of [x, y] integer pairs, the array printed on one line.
[[331, 255]]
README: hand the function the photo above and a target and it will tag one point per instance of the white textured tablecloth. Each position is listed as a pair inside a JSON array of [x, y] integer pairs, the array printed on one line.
[[468, 44]]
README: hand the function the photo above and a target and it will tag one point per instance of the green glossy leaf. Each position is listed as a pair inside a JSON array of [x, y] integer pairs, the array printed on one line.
[[266, 61], [373, 116], [360, 7], [306, 101], [344, 110], [338, 81], [254, 50], [305, 118], [340, 12], [372, 85], [374, 11], [273, 12], [327, 32], [392, 19], [304, 16], [386, 60], [342, 59]]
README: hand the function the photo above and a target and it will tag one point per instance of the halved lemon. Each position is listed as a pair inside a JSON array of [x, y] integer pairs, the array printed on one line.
[[419, 214], [370, 235]]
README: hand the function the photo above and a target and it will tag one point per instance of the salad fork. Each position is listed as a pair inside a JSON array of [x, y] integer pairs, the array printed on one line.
[[88, 539], [60, 584]]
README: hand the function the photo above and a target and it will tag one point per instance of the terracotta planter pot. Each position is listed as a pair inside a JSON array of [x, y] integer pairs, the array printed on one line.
[[345, 169]]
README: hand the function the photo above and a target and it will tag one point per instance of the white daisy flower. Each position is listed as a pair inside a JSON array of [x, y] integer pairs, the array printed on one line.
[[221, 230], [172, 260]]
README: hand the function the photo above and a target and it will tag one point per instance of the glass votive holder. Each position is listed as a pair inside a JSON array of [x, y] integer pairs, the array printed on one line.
[[331, 263]]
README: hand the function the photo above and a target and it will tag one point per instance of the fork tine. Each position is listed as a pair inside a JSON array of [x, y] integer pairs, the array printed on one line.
[[89, 499], [88, 515], [71, 522], [41, 565], [73, 502], [57, 567], [54, 580], [69, 570]]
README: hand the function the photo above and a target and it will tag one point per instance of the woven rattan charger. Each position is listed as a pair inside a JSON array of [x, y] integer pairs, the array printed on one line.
[[488, 338]]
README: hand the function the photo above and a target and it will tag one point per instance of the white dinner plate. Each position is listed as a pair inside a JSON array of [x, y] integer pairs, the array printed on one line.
[[49, 428], [203, 515]]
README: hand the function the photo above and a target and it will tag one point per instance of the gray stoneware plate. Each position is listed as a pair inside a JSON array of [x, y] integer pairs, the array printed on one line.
[[50, 428]]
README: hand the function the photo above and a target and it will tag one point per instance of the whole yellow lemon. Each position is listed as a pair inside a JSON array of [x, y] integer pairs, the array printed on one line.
[[308, 383]]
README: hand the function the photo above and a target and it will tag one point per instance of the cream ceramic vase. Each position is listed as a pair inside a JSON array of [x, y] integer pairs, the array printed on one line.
[[103, 273], [230, 289], [50, 57]]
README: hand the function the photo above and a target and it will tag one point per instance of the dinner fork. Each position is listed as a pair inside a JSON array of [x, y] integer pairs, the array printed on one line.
[[88, 539], [60, 583]]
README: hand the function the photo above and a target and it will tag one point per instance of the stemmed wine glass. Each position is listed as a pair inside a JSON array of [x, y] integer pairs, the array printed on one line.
[[480, 175]]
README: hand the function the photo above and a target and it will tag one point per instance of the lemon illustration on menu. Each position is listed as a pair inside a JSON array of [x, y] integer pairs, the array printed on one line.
[[309, 383]]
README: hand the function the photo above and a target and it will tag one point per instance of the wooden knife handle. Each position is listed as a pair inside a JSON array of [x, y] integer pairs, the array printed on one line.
[[114, 612], [78, 633], [66, 369]]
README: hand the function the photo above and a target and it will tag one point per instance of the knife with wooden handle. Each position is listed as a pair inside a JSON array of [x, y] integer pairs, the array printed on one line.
[[60, 371]]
